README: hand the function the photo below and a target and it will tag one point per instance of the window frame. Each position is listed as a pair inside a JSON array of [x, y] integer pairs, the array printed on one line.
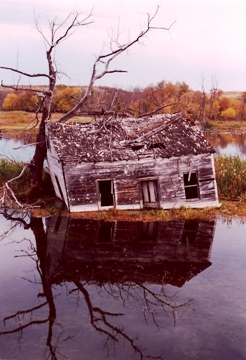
[[193, 185]]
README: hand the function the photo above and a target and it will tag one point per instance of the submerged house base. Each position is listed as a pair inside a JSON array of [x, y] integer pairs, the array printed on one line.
[[160, 162]]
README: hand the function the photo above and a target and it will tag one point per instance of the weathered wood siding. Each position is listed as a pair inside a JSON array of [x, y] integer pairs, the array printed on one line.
[[82, 190], [56, 174]]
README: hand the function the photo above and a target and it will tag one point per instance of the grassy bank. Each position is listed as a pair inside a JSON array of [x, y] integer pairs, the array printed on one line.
[[12, 122], [226, 125], [226, 211], [21, 124]]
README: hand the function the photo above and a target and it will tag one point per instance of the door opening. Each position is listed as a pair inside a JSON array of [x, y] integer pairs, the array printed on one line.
[[150, 194]]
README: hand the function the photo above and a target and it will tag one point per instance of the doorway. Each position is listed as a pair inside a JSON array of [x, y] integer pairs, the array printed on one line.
[[150, 196]]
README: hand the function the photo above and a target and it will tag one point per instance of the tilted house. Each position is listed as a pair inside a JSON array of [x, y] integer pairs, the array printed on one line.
[[161, 161]]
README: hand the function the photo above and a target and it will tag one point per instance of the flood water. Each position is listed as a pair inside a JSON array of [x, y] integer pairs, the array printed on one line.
[[82, 289], [226, 143], [15, 150], [79, 289]]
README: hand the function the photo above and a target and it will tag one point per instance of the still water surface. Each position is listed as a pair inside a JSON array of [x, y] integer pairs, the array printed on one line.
[[228, 144], [78, 289], [14, 149]]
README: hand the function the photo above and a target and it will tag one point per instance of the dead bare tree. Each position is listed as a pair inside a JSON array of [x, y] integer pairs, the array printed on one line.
[[59, 32]]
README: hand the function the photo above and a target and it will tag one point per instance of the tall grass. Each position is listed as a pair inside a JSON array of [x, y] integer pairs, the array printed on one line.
[[9, 170], [231, 177]]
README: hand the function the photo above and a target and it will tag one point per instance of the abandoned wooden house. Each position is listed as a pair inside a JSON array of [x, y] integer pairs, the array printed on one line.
[[161, 161]]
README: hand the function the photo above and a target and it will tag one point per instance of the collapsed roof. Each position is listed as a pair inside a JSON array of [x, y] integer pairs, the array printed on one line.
[[117, 139]]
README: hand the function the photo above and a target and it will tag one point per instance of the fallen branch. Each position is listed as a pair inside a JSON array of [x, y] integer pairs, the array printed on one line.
[[6, 189]]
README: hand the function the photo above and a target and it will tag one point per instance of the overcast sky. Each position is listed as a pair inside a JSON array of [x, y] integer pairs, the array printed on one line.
[[207, 41]]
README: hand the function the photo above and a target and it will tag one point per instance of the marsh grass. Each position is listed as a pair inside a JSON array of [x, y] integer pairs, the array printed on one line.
[[226, 125], [11, 169], [18, 119], [20, 124], [231, 177]]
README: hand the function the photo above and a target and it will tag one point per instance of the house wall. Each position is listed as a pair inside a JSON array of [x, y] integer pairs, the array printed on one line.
[[56, 173], [82, 189]]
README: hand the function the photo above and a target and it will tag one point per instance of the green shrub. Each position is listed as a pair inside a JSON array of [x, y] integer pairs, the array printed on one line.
[[231, 177]]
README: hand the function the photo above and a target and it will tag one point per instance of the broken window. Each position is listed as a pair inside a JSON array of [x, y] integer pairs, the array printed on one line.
[[106, 190], [158, 146], [149, 190], [191, 186], [136, 147]]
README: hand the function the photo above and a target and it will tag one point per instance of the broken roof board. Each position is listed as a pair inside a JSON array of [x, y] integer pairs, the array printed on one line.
[[127, 139]]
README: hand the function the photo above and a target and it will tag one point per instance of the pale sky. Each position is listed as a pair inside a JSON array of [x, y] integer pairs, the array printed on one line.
[[207, 41]]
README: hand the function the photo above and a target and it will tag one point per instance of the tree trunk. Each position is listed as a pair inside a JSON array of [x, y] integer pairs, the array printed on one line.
[[39, 156], [41, 149]]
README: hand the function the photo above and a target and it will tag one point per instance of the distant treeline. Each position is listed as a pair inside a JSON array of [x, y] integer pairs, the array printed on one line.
[[165, 96]]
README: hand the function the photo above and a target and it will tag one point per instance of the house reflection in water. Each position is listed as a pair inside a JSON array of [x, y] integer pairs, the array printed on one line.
[[108, 252]]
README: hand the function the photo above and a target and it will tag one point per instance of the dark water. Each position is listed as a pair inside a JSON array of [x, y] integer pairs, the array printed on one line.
[[78, 289]]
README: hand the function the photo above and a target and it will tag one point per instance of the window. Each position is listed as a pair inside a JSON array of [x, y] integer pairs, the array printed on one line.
[[158, 146], [149, 190], [191, 186], [106, 191]]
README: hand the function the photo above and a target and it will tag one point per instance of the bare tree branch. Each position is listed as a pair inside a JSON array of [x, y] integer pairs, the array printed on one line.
[[106, 60], [24, 73], [7, 188]]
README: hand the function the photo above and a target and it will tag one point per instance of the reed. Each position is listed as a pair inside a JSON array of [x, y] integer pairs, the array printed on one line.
[[9, 170], [231, 177]]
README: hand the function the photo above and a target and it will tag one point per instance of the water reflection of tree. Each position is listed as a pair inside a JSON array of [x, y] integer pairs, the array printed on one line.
[[223, 140], [138, 295]]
